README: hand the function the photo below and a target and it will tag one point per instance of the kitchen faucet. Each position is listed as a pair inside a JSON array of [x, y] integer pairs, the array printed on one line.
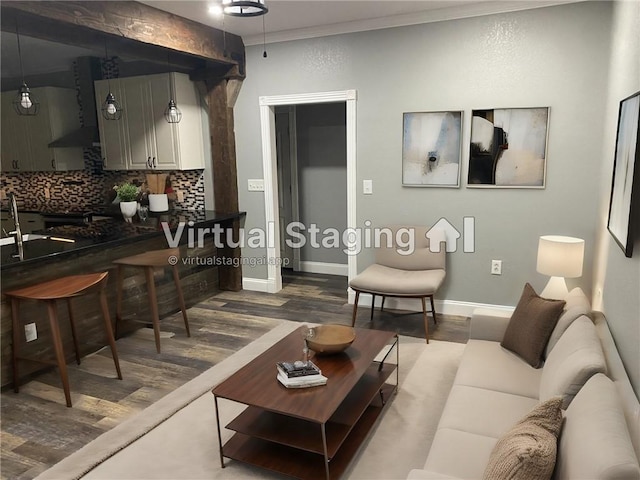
[[17, 232]]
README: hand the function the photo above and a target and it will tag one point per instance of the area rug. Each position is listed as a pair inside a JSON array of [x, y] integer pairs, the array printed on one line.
[[176, 437]]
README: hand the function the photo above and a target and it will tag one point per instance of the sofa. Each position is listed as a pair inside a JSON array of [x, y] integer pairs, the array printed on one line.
[[599, 428]]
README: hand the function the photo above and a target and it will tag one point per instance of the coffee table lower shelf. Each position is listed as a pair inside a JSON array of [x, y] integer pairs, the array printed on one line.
[[298, 463]]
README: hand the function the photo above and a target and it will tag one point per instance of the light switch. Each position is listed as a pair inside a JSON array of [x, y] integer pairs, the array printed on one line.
[[367, 187], [256, 185]]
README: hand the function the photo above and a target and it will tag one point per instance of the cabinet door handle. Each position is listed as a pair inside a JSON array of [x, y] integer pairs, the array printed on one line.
[[149, 162], [53, 163], [155, 164]]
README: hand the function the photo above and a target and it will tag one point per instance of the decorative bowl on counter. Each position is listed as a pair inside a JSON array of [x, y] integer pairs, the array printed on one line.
[[328, 339]]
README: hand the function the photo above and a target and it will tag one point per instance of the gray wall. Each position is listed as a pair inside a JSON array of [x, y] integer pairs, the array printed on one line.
[[617, 278], [556, 57], [322, 174]]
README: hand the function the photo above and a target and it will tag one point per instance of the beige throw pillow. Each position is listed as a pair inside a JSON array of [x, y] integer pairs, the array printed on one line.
[[528, 450], [531, 325]]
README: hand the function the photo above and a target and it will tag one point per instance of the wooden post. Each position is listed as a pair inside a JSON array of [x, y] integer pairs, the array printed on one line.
[[225, 175]]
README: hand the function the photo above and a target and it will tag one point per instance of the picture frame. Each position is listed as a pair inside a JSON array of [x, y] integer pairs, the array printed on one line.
[[508, 148], [431, 149], [625, 184]]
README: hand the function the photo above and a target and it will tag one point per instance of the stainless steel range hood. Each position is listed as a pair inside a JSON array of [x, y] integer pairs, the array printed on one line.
[[86, 136]]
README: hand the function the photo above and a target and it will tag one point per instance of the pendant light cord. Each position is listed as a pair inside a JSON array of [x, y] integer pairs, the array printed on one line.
[[19, 52], [264, 39]]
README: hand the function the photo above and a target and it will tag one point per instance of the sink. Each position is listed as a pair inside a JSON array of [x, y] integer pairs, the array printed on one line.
[[25, 238]]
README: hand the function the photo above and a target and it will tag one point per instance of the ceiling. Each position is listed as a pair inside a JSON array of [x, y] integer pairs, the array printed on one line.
[[286, 20], [296, 19]]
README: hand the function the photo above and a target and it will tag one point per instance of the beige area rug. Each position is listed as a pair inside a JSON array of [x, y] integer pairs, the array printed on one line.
[[176, 437]]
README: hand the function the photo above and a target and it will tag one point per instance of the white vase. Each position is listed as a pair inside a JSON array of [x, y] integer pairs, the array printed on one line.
[[128, 210], [158, 202]]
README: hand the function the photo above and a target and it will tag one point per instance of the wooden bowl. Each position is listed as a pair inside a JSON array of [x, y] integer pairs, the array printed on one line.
[[328, 339]]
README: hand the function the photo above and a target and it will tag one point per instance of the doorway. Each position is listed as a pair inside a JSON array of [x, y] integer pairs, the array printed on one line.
[[270, 171], [312, 185]]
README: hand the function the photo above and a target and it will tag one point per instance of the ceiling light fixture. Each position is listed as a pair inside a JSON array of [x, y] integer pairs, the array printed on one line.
[[24, 103], [111, 109], [172, 113], [244, 8]]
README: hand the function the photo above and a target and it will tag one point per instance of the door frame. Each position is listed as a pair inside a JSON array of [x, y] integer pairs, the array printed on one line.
[[270, 173]]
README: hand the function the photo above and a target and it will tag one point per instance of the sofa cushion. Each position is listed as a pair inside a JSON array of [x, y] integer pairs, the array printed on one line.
[[459, 454], [577, 304], [482, 411], [528, 450], [575, 358], [594, 442], [486, 364], [531, 325]]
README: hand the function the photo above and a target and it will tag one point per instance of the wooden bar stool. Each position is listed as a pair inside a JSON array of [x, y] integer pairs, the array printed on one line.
[[49, 292], [149, 261]]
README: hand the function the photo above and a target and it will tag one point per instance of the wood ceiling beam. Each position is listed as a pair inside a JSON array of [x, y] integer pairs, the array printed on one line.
[[141, 29]]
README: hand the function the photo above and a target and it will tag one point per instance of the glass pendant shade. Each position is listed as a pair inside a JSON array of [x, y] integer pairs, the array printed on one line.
[[111, 109], [244, 8], [24, 103], [172, 113]]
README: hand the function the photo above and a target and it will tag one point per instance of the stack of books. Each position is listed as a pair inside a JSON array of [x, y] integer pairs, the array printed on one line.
[[300, 374]]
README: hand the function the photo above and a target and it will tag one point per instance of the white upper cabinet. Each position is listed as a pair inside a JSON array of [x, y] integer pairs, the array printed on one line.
[[25, 139], [142, 139]]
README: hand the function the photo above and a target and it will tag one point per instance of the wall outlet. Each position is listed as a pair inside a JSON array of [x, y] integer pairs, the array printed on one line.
[[47, 193], [180, 196], [496, 267], [367, 187], [256, 185], [30, 332]]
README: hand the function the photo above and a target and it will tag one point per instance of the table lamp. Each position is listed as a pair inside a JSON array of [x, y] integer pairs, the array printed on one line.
[[559, 257]]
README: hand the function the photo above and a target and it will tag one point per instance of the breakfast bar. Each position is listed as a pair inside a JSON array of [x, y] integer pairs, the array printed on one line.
[[70, 250]]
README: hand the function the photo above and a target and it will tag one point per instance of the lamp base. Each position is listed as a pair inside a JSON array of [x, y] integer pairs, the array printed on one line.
[[556, 289]]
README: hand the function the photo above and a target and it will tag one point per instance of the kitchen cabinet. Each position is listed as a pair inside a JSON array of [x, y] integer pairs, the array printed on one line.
[[25, 139], [142, 139]]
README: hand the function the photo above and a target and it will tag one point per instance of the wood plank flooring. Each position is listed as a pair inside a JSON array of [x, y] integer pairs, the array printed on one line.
[[38, 430]]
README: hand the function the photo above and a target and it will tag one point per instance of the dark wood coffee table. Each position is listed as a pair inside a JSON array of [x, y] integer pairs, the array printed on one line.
[[309, 432]]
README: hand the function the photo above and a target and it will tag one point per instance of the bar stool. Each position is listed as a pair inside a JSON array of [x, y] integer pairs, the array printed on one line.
[[49, 292], [149, 261]]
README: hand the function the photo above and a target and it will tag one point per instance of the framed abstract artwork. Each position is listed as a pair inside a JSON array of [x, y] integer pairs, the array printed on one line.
[[431, 147], [508, 148], [625, 185]]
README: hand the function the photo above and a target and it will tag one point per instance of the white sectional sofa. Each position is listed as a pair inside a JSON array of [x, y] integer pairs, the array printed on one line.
[[494, 388]]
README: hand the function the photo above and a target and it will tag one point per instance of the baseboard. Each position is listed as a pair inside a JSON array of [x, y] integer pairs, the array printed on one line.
[[446, 307], [257, 285], [326, 268]]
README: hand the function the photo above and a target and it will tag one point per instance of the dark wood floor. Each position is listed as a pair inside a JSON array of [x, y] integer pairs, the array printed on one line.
[[38, 430]]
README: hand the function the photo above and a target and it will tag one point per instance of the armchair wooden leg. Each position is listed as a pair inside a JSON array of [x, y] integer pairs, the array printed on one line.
[[382, 306], [426, 319], [355, 309], [433, 309], [373, 301]]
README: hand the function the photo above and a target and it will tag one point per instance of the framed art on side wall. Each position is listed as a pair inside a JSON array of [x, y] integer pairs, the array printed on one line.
[[431, 147], [508, 148], [626, 176]]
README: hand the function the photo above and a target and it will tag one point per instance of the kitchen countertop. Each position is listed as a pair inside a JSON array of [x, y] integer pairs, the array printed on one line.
[[106, 233]]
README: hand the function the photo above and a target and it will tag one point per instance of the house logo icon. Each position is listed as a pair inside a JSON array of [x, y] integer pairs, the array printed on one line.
[[443, 227]]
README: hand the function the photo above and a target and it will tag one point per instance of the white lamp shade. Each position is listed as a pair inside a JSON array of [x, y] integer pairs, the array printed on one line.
[[560, 256]]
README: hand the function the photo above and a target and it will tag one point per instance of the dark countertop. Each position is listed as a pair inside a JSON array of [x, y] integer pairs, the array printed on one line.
[[106, 233]]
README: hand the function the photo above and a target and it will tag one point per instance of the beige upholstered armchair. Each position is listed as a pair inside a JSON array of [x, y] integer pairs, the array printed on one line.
[[398, 274]]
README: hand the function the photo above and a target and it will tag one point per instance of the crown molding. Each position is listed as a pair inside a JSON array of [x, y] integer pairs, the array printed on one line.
[[428, 16]]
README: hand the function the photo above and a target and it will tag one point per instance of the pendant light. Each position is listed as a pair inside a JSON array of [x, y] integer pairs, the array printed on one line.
[[244, 8], [24, 103], [111, 109], [172, 113]]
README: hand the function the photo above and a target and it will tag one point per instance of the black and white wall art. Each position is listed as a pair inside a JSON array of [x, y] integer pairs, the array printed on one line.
[[508, 148], [626, 176], [431, 146]]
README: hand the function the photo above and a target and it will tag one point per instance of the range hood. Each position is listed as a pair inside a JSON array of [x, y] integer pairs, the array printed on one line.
[[86, 136]]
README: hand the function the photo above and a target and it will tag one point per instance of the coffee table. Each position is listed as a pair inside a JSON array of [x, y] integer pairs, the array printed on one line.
[[314, 432]]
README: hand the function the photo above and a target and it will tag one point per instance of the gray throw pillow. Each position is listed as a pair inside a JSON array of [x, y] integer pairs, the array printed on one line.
[[529, 449], [531, 325]]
